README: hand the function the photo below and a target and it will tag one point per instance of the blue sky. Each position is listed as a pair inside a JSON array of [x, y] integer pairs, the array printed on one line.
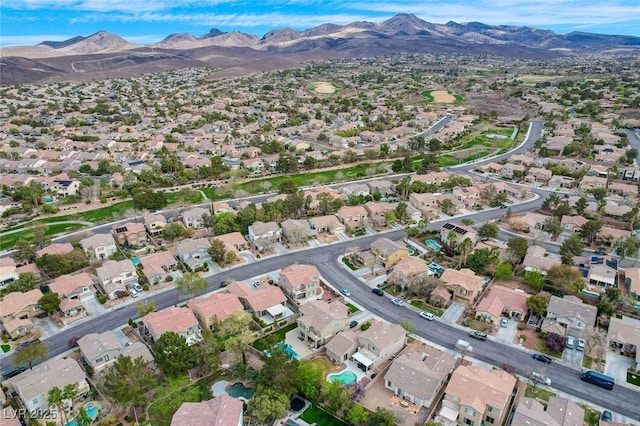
[[28, 22]]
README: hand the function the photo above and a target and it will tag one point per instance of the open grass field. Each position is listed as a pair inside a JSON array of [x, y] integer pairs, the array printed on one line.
[[442, 97], [7, 242], [323, 87], [318, 416]]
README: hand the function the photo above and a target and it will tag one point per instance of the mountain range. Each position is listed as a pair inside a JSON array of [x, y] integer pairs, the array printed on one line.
[[106, 55]]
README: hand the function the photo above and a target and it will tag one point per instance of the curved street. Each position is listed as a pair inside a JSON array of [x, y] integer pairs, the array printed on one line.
[[326, 259]]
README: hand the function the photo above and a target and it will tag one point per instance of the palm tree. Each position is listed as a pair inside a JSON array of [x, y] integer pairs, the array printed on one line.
[[465, 248], [55, 399], [70, 392]]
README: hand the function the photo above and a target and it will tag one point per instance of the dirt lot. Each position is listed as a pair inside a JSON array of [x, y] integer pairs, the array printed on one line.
[[323, 87], [442, 97]]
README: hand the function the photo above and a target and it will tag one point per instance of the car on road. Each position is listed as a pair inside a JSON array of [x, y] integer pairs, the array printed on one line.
[[378, 291], [601, 252], [503, 206], [543, 358], [29, 343], [504, 322], [540, 378], [427, 315], [478, 335], [397, 302], [13, 372], [345, 291], [353, 324], [138, 288], [606, 416], [580, 345]]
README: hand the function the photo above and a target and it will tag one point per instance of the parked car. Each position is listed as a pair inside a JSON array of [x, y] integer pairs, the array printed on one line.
[[28, 343], [427, 315], [540, 378], [397, 302], [134, 293], [345, 291], [580, 345], [138, 288], [504, 322], [378, 291], [601, 252], [570, 342], [543, 358], [478, 335], [13, 372], [606, 416], [353, 324]]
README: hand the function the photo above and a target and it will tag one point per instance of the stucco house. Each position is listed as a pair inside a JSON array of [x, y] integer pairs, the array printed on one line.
[[154, 223], [100, 350], [569, 314], [223, 410], [624, 334], [264, 235], [319, 321], [194, 252], [354, 217], [559, 412], [409, 268], [130, 234], [16, 311], [193, 218], [158, 266], [99, 246], [502, 301], [115, 276], [297, 231], [181, 321], [214, 308], [389, 252], [300, 282], [461, 232], [264, 300], [464, 285]]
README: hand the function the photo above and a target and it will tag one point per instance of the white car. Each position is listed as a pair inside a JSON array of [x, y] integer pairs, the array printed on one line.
[[540, 378], [427, 315], [138, 288], [580, 345], [397, 302], [134, 293]]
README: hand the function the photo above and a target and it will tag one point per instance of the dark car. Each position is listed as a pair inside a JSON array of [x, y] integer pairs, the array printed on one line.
[[606, 416], [377, 291], [601, 252], [13, 372], [353, 324], [30, 342], [478, 335], [543, 358]]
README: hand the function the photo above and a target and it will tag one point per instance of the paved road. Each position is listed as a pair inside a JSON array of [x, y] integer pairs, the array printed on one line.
[[325, 258]]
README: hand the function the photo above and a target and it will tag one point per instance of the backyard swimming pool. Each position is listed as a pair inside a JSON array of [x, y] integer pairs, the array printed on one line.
[[240, 391], [411, 252], [345, 377], [287, 347], [433, 245]]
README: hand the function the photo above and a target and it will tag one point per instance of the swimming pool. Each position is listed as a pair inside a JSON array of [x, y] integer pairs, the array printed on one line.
[[433, 245], [290, 422], [437, 269], [288, 348], [411, 252], [345, 377], [47, 200], [240, 391], [135, 261], [590, 293], [92, 411]]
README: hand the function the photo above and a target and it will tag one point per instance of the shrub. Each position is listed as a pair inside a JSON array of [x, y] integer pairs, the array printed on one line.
[[128, 419], [521, 326], [101, 298], [145, 287], [365, 326], [555, 342], [87, 201]]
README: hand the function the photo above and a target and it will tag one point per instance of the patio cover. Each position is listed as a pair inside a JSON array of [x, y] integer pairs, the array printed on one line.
[[449, 413], [276, 310], [362, 359]]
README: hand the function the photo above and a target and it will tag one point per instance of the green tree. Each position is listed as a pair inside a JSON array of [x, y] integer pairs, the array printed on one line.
[[537, 304], [309, 379], [565, 278], [467, 221], [39, 237], [627, 247], [553, 226], [148, 199], [276, 372], [562, 209], [401, 212], [127, 381], [571, 247], [24, 251], [356, 415], [489, 230], [335, 396], [534, 279], [550, 202], [208, 221], [447, 206], [237, 335], [590, 230], [146, 307], [26, 281], [504, 271], [190, 285], [174, 230], [381, 417], [172, 353], [479, 260], [217, 250], [599, 194], [49, 302], [518, 247], [408, 326], [288, 186], [267, 405], [56, 399], [581, 205], [35, 352], [207, 352]]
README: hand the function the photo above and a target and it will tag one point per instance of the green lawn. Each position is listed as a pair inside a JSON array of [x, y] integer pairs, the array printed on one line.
[[5, 348], [587, 361], [9, 241], [191, 196], [352, 308], [542, 348], [538, 393], [349, 264], [261, 344], [591, 416], [426, 307], [318, 416], [211, 194], [632, 378]]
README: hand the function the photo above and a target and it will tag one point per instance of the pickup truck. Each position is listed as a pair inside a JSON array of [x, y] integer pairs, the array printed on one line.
[[478, 335]]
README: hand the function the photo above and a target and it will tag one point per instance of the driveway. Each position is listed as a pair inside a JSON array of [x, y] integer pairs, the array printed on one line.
[[507, 334], [453, 312], [93, 307], [280, 249], [616, 367], [572, 357], [47, 327]]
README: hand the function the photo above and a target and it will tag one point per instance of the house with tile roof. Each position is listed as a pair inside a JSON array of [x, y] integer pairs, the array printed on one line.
[[194, 252], [263, 300], [354, 217], [181, 321], [223, 410], [17, 310], [234, 241], [99, 246], [297, 231], [55, 249], [625, 332], [476, 396], [558, 412], [158, 266], [192, 218], [569, 314], [34, 385], [319, 321], [464, 284], [537, 259], [419, 375], [72, 286], [154, 223], [409, 268], [8, 272], [130, 234], [100, 350], [389, 252], [461, 232], [264, 235], [116, 276], [329, 224], [300, 282], [632, 282], [212, 309], [502, 301]]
